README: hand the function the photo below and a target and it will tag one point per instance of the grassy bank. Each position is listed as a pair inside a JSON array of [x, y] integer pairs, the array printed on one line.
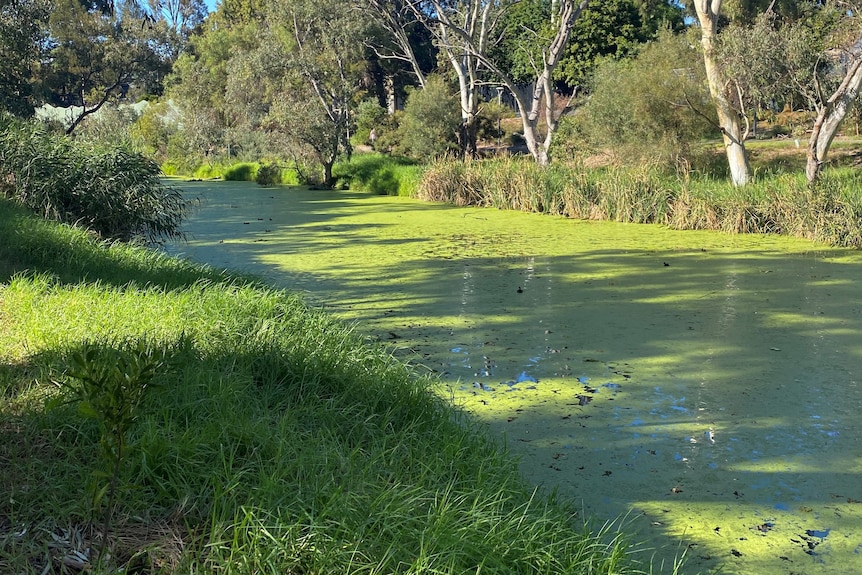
[[830, 212], [271, 439]]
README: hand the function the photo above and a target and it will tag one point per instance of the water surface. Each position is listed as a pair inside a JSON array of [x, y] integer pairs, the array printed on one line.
[[704, 385]]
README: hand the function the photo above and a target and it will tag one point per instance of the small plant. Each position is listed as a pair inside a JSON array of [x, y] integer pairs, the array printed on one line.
[[108, 383]]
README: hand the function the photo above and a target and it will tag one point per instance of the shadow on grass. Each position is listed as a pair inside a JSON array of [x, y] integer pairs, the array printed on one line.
[[749, 343]]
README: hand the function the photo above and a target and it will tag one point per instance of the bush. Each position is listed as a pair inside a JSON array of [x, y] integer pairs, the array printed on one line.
[[242, 172], [640, 109], [106, 188], [429, 126], [269, 175], [370, 115], [379, 174]]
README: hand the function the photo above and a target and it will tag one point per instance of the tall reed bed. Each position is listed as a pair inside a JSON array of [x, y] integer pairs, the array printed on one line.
[[830, 212], [275, 439]]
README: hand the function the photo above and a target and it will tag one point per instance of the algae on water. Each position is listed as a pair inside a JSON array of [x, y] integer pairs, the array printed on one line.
[[704, 385]]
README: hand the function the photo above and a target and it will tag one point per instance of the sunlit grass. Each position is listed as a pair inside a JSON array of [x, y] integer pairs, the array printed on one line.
[[277, 440]]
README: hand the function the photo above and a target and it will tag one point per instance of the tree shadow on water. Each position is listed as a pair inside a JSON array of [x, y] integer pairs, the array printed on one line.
[[708, 391]]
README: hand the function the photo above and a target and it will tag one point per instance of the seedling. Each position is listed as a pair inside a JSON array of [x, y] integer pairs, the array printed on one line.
[[108, 383]]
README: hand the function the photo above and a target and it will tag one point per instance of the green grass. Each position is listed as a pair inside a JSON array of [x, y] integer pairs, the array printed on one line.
[[275, 439]]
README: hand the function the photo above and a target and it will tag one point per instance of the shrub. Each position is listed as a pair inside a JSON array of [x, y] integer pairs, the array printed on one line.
[[429, 126], [641, 108], [106, 188], [242, 172], [370, 115], [383, 175], [269, 175]]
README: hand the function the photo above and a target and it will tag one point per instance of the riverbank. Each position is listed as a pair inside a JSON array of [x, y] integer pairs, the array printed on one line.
[[272, 438], [704, 384]]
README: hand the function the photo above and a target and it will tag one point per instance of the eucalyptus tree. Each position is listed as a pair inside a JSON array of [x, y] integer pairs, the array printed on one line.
[[463, 32], [97, 55], [835, 79], [198, 82], [321, 60], [807, 49], [730, 121], [180, 16], [23, 31], [472, 32]]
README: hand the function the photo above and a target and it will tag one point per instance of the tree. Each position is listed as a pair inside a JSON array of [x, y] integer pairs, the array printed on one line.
[[536, 100], [843, 62], [616, 29], [181, 16], [321, 43], [98, 56], [729, 119], [429, 127], [23, 28], [462, 31]]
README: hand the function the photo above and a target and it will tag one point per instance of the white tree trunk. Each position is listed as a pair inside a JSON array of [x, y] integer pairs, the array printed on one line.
[[531, 104], [830, 115], [729, 119]]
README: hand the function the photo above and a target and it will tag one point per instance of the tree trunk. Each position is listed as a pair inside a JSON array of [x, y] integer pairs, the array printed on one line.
[[541, 93], [328, 179], [729, 120], [829, 118]]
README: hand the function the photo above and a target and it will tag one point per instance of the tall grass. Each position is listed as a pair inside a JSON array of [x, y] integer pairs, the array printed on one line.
[[111, 190], [830, 212], [278, 441]]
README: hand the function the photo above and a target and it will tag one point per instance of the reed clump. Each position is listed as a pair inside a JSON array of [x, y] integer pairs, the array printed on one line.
[[829, 211]]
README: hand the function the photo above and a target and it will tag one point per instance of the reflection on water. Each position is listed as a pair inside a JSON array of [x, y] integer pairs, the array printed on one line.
[[704, 385]]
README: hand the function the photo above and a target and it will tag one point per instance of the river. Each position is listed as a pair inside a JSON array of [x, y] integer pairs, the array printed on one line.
[[700, 388]]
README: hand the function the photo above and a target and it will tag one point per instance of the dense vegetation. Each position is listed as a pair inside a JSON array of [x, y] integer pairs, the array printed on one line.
[[109, 189], [258, 435]]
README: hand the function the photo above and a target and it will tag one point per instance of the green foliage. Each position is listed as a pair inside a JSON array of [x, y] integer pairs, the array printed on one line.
[[612, 29], [490, 114], [108, 189], [429, 125], [370, 115], [242, 172], [108, 384], [151, 131], [645, 108], [22, 33], [269, 175], [379, 174], [98, 56]]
